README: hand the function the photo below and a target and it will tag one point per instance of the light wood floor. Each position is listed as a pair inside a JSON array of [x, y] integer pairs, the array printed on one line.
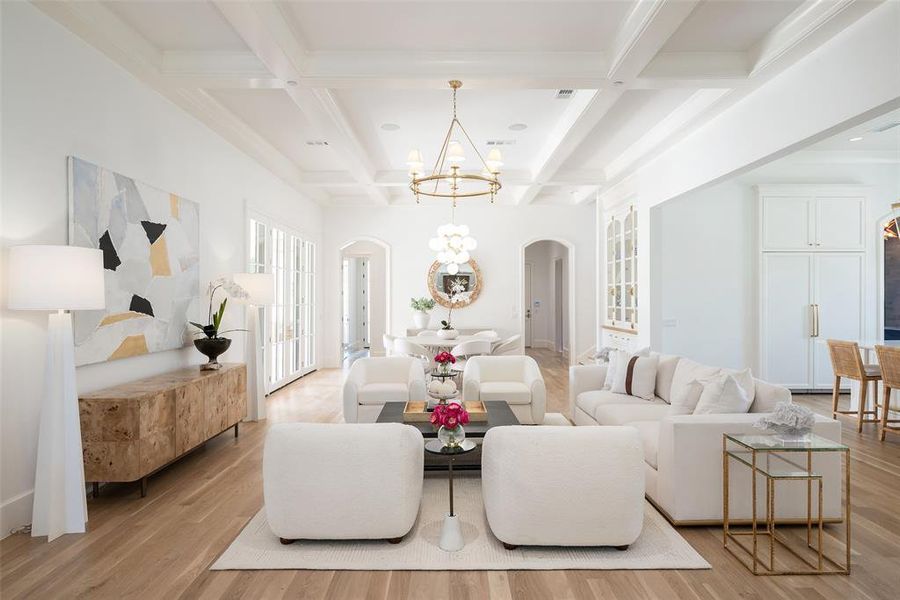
[[160, 546]]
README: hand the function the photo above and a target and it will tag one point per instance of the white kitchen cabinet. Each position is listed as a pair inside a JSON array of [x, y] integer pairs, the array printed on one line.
[[622, 269], [806, 297], [812, 217]]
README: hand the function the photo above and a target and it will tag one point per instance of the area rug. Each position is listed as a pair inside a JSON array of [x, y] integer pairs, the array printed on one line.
[[257, 548]]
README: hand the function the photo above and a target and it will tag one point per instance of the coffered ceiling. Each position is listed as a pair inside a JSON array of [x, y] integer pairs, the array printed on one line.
[[332, 95]]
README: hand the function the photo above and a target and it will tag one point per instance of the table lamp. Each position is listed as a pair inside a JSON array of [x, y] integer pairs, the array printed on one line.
[[261, 290], [57, 278]]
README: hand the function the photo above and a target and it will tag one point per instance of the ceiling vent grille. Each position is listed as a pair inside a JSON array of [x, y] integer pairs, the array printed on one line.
[[316, 143], [564, 94], [501, 142], [885, 127]]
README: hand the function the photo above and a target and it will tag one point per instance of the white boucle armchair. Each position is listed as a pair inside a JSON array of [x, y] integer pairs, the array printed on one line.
[[373, 381], [563, 486], [516, 380], [342, 481]]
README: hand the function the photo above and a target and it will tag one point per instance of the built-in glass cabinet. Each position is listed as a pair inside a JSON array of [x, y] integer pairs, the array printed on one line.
[[621, 269]]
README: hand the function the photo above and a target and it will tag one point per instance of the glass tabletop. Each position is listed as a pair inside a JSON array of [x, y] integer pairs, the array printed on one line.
[[775, 443]]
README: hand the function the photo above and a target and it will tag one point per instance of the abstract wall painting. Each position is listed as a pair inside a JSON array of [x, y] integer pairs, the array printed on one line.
[[150, 241]]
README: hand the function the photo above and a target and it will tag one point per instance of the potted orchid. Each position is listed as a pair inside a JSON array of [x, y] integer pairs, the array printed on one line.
[[450, 419], [213, 344], [457, 288], [444, 361]]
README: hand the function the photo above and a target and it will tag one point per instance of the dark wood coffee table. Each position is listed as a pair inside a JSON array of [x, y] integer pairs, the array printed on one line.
[[499, 414]]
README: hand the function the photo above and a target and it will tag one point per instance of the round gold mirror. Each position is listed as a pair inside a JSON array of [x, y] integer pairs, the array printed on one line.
[[464, 287]]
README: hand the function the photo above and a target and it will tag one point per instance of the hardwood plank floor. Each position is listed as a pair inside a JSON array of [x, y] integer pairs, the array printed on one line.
[[161, 546]]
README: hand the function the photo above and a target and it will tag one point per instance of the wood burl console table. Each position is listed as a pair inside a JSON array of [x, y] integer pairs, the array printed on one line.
[[132, 430]]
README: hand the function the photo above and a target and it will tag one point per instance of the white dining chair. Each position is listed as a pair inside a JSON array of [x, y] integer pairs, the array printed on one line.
[[464, 350], [488, 334], [509, 346], [388, 341], [404, 347], [425, 333]]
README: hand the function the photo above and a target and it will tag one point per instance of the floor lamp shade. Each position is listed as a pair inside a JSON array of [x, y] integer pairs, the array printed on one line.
[[55, 278], [261, 290], [47, 278]]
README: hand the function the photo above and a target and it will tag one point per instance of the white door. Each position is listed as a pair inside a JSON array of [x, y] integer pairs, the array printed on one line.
[[787, 223], [786, 314], [838, 295], [528, 306], [840, 223]]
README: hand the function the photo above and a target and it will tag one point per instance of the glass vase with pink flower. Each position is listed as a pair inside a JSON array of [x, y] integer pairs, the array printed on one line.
[[450, 419]]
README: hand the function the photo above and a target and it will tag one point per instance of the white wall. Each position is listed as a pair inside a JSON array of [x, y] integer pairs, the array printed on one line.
[[501, 232], [61, 97], [376, 256], [705, 287], [542, 256]]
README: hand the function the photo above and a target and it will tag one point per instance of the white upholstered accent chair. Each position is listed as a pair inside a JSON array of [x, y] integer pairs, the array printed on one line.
[[536, 492], [388, 341], [510, 346], [373, 381], [516, 380], [324, 482]]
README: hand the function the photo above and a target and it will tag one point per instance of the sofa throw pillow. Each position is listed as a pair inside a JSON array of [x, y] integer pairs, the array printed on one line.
[[744, 379], [722, 394], [685, 402], [636, 376], [618, 360], [685, 389]]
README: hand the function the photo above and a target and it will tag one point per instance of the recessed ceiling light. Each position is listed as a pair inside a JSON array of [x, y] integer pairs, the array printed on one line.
[[291, 83], [855, 139], [518, 127], [390, 126]]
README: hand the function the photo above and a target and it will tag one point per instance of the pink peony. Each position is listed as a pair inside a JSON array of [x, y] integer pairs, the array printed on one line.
[[451, 422]]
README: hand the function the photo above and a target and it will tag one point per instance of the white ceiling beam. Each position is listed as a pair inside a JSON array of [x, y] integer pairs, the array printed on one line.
[[647, 28], [271, 37], [805, 29], [638, 41], [694, 69], [216, 70], [104, 30]]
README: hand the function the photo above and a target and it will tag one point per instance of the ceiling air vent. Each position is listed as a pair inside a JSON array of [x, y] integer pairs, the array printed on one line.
[[316, 143], [501, 142], [564, 94], [885, 127]]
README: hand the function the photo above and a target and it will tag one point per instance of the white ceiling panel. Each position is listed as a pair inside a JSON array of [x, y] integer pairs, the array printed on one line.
[[880, 134], [276, 117], [458, 25], [423, 117], [179, 25], [729, 25]]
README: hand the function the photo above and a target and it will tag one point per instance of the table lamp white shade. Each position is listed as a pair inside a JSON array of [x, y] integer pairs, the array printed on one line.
[[55, 278], [260, 287], [261, 290]]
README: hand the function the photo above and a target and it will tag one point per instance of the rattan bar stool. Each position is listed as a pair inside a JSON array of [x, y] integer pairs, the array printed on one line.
[[889, 360], [846, 361]]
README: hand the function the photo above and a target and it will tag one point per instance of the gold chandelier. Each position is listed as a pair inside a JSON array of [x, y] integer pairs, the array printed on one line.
[[453, 183]]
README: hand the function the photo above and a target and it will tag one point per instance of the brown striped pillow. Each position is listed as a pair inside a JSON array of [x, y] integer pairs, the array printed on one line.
[[636, 376]]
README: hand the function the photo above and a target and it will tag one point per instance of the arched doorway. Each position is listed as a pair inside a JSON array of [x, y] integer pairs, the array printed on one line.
[[547, 301], [364, 288]]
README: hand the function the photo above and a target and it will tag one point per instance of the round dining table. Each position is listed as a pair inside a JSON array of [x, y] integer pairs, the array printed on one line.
[[435, 344]]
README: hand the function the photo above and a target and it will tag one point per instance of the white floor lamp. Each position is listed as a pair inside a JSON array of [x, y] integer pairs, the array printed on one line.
[[261, 290], [57, 278]]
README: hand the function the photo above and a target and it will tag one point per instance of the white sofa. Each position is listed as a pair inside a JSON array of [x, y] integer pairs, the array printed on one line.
[[683, 453], [373, 381], [342, 482], [516, 380], [536, 493]]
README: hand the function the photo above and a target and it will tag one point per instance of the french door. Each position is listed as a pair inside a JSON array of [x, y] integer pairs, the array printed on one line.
[[288, 325]]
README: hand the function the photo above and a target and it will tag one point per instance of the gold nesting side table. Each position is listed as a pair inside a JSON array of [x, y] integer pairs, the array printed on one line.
[[770, 456]]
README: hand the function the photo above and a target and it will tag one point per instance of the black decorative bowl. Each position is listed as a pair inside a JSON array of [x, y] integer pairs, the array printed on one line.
[[212, 348]]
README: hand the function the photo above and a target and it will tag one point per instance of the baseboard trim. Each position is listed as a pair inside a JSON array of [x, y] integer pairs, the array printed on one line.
[[16, 512], [736, 522]]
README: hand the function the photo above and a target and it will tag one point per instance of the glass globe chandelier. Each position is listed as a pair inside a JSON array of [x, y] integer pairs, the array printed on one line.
[[452, 245], [451, 182]]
